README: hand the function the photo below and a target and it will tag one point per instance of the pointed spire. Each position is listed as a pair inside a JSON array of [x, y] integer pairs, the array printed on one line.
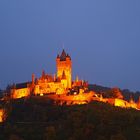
[[68, 56], [54, 77], [43, 74], [63, 55], [36, 81], [33, 79], [77, 79], [58, 56]]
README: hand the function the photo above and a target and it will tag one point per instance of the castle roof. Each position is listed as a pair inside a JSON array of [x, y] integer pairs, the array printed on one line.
[[22, 85], [63, 56]]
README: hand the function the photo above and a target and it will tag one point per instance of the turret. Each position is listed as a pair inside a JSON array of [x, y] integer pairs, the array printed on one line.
[[33, 79], [68, 57], [54, 77], [77, 79], [43, 74]]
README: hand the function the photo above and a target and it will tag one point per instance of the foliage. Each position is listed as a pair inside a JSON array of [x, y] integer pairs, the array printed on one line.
[[41, 120]]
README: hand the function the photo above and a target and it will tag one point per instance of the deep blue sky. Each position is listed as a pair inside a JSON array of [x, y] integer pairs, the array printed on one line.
[[102, 36]]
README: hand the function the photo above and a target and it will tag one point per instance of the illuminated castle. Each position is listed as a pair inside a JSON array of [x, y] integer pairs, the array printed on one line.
[[72, 92], [60, 83]]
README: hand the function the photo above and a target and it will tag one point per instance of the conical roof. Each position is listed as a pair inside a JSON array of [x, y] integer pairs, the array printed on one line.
[[63, 55]]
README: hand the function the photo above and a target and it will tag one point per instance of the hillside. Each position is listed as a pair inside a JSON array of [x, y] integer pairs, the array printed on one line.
[[41, 120]]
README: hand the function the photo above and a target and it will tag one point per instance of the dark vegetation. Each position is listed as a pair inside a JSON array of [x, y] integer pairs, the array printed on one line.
[[36, 119], [40, 119], [1, 93]]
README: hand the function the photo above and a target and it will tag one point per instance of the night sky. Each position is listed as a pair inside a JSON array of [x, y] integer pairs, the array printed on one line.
[[102, 37]]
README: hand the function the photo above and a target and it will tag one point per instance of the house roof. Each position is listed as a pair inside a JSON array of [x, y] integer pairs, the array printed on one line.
[[22, 85]]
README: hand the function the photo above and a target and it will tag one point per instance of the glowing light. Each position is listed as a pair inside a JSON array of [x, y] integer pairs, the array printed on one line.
[[19, 93], [120, 103], [2, 117], [41, 94]]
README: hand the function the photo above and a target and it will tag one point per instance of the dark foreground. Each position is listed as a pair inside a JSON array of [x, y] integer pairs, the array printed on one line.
[[40, 120]]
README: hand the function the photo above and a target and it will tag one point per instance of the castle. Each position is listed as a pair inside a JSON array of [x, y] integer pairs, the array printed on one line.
[[62, 89], [59, 83]]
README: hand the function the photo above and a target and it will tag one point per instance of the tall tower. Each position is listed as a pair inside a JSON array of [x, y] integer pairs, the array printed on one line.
[[64, 66]]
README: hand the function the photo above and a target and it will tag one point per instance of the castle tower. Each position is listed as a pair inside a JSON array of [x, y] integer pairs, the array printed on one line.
[[64, 66]]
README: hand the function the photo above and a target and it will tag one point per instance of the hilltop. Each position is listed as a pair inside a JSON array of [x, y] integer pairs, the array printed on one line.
[[57, 107], [41, 117]]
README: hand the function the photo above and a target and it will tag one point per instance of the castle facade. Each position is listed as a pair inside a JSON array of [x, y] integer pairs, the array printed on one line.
[[59, 83]]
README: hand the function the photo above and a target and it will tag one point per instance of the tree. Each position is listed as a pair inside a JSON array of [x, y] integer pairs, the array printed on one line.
[[118, 137], [50, 133]]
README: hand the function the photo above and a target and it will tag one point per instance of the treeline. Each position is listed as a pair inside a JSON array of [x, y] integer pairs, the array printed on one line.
[[40, 120], [127, 94]]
